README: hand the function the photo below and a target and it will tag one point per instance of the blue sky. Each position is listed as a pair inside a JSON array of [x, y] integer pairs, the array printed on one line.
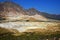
[[49, 6]]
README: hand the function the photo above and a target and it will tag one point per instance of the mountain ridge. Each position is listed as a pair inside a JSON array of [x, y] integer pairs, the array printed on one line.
[[11, 10]]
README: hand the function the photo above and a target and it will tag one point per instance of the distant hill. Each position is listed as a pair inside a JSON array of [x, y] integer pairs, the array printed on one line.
[[33, 11], [12, 11]]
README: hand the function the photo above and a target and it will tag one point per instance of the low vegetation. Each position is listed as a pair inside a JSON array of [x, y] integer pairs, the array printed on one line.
[[35, 35]]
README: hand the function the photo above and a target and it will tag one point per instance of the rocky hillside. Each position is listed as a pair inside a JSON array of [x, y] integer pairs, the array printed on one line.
[[12, 11], [13, 16]]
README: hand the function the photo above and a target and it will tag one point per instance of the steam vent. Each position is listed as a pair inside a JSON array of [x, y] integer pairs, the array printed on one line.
[[18, 23]]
